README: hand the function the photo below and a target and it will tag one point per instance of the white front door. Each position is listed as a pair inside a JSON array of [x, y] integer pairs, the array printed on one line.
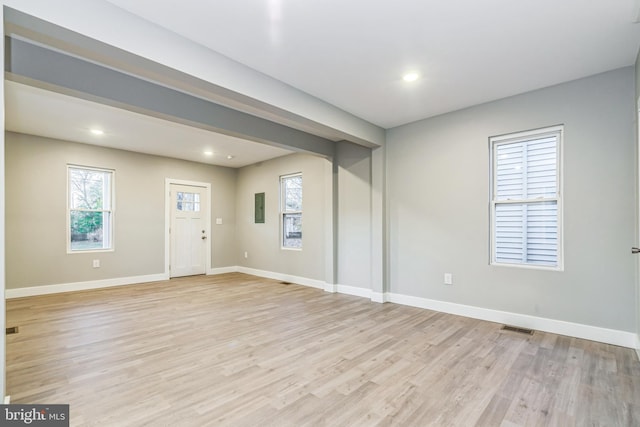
[[188, 230]]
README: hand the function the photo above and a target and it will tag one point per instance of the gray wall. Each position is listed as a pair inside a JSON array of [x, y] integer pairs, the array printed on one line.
[[354, 215], [438, 200], [36, 211], [638, 76], [637, 116], [437, 175], [262, 241]]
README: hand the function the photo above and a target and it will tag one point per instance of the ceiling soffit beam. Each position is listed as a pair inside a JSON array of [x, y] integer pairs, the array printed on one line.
[[52, 70], [58, 38]]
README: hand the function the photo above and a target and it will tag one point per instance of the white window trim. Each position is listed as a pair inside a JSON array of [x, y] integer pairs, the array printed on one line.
[[112, 210], [282, 212], [514, 137]]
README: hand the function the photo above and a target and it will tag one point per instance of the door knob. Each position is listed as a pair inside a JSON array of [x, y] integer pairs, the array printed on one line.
[[635, 250], [204, 237]]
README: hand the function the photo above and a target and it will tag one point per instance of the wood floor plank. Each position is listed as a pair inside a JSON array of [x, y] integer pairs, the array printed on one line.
[[238, 350]]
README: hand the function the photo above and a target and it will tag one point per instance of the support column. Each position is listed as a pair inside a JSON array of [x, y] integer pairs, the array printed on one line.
[[379, 282], [331, 224]]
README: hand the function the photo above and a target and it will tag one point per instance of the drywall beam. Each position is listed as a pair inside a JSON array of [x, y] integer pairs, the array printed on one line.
[[48, 69]]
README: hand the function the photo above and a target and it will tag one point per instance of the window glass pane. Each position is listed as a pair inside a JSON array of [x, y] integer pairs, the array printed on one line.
[[542, 233], [508, 229], [541, 168], [508, 171], [87, 187], [188, 201], [87, 230], [526, 169], [527, 233], [292, 229], [292, 193]]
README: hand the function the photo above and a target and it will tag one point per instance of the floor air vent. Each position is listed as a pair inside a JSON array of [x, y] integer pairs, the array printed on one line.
[[518, 330], [12, 330]]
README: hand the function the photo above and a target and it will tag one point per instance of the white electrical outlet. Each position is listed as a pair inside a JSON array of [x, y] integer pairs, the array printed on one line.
[[96, 263], [218, 221], [246, 254], [448, 279]]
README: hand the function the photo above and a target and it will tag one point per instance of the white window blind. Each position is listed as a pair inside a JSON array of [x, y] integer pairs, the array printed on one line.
[[526, 198]]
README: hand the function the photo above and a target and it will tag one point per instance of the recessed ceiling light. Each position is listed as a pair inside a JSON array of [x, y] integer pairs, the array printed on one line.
[[208, 153], [230, 157], [97, 131], [410, 77]]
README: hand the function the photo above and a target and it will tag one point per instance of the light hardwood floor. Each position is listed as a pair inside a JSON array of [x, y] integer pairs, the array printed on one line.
[[245, 351]]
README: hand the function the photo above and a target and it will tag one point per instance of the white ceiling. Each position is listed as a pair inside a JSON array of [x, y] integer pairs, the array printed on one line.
[[352, 53], [39, 112]]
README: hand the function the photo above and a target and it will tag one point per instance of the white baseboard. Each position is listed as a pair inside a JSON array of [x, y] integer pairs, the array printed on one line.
[[353, 290], [82, 286], [593, 333], [331, 288], [222, 270], [97, 284], [380, 297], [319, 284]]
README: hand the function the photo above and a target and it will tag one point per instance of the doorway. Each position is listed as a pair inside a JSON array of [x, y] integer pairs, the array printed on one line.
[[189, 225]]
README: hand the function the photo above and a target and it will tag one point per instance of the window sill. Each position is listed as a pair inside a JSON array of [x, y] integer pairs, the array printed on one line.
[[559, 268], [89, 251]]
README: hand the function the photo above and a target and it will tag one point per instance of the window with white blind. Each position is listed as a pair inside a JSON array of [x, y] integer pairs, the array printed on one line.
[[526, 208]]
